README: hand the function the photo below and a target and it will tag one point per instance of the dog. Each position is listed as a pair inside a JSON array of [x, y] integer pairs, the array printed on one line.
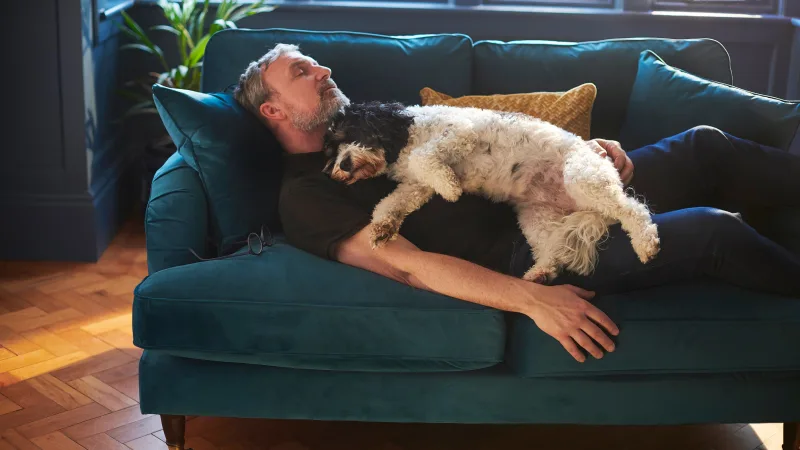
[[564, 194]]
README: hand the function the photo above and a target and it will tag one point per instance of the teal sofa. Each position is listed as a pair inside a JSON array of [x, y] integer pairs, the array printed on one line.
[[285, 334]]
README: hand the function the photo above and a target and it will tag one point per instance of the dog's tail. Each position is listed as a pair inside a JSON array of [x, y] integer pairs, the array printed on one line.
[[579, 234]]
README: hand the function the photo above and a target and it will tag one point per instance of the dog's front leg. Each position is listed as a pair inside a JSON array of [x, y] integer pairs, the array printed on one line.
[[430, 163], [432, 171], [390, 212]]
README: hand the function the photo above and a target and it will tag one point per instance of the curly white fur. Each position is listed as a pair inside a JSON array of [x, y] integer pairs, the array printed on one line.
[[565, 195]]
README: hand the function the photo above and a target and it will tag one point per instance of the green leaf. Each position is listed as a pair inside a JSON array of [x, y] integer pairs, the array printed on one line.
[[179, 75], [141, 47], [199, 51], [182, 47], [250, 10], [218, 24], [199, 25], [224, 9], [166, 28], [163, 78], [137, 30], [130, 33], [238, 13], [188, 37], [142, 37], [188, 10], [201, 22], [172, 13], [231, 24]]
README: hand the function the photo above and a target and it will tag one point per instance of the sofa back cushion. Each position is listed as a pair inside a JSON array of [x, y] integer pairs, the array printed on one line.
[[365, 66], [531, 66]]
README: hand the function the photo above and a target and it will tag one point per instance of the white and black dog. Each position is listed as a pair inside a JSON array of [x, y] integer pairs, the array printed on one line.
[[564, 194]]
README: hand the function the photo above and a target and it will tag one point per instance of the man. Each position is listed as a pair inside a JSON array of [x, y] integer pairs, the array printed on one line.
[[473, 250]]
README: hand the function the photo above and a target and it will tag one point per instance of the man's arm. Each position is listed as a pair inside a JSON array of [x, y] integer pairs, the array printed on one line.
[[563, 312]]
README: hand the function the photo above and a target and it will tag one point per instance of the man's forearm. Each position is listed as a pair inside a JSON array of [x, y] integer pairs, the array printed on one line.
[[466, 281]]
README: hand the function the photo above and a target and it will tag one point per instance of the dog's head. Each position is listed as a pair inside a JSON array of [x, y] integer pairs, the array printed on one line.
[[364, 139]]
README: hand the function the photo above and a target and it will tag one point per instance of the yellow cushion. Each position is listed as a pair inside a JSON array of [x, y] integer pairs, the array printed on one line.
[[570, 110]]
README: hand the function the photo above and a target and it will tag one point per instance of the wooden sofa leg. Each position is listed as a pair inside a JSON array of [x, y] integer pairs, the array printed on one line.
[[174, 431], [791, 436]]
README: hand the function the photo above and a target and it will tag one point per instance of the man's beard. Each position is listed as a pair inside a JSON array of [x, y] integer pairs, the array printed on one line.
[[331, 101]]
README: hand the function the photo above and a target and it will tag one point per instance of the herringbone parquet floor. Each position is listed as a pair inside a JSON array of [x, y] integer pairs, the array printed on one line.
[[69, 380]]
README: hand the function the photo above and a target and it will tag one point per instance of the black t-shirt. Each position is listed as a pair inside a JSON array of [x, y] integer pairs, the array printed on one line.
[[318, 212]]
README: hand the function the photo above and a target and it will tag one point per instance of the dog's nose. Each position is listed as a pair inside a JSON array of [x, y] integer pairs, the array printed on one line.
[[346, 165]]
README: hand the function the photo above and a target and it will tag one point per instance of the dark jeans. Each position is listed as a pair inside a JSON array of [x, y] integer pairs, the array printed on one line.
[[691, 181]]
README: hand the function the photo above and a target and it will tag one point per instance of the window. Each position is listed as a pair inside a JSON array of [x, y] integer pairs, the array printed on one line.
[[578, 3], [722, 6], [108, 8]]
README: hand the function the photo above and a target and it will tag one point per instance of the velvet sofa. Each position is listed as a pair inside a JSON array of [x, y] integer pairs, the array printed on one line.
[[285, 334]]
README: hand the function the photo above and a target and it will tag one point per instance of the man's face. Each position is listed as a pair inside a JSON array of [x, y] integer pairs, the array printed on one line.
[[306, 94]]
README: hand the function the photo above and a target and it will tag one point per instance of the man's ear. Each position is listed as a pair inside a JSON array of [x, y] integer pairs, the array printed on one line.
[[271, 111]]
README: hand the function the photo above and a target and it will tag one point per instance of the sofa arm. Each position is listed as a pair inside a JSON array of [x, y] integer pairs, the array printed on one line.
[[176, 218]]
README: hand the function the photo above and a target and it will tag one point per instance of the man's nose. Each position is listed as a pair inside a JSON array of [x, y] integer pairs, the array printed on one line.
[[323, 72]]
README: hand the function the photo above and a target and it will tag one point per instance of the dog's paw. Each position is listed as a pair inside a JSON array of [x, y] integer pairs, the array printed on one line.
[[382, 232], [451, 193], [646, 243], [540, 275]]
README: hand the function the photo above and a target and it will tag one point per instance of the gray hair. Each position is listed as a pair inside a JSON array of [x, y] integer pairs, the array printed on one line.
[[251, 92]]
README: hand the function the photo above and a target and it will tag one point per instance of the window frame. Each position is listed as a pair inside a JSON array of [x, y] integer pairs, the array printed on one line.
[[717, 6], [593, 4]]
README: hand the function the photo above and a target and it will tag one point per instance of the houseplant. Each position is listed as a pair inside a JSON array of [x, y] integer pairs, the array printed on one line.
[[192, 23]]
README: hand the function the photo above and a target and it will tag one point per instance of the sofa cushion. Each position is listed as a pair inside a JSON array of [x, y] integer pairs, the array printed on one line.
[[529, 66], [176, 217], [667, 100], [365, 66], [700, 327], [570, 110], [289, 308], [236, 157]]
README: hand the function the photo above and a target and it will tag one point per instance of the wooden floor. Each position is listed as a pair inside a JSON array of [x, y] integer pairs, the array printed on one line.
[[69, 380]]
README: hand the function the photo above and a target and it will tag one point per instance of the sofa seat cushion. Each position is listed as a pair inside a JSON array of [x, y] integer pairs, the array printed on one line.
[[288, 308], [532, 66], [700, 327]]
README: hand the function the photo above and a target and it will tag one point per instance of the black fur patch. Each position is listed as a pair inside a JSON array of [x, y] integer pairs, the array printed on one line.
[[373, 125], [515, 168]]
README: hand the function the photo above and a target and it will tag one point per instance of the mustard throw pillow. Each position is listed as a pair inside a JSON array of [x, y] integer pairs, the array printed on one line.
[[570, 110]]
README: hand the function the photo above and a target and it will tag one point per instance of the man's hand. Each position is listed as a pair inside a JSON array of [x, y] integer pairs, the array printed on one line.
[[564, 313], [614, 150]]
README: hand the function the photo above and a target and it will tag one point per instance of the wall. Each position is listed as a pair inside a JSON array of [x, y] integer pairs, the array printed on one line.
[[61, 171]]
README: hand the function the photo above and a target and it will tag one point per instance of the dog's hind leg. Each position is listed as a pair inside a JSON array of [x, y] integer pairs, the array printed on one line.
[[595, 185], [561, 241], [538, 223], [389, 213]]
